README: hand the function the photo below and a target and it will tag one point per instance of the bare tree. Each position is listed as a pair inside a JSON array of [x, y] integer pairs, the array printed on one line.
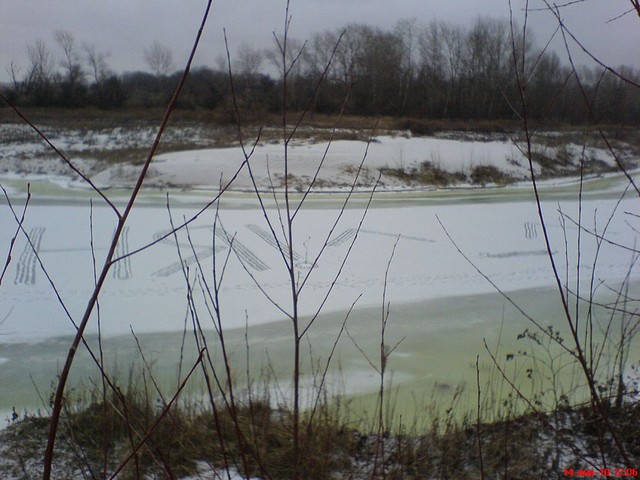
[[14, 71], [97, 63], [71, 59], [159, 58], [249, 60], [41, 67], [405, 32], [39, 77], [107, 90], [439, 51], [72, 90], [486, 63], [378, 70]]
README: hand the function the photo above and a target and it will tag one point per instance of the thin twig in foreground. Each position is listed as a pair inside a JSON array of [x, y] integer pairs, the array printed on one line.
[[19, 227], [64, 374]]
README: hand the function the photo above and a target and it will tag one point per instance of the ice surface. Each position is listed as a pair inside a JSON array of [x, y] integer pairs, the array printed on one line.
[[504, 240], [153, 290]]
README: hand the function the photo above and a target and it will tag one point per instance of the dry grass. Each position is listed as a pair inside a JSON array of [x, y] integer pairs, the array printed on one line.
[[96, 435]]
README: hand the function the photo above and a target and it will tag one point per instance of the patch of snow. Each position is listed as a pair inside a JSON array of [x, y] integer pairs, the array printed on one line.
[[207, 472], [23, 153], [207, 167]]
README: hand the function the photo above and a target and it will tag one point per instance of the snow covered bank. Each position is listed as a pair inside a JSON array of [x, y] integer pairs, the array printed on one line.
[[111, 158], [337, 163]]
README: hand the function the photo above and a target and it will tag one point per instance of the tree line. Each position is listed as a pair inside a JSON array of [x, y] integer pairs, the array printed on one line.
[[434, 71]]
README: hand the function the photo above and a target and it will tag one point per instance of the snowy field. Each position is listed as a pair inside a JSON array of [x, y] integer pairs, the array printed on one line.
[[441, 305]]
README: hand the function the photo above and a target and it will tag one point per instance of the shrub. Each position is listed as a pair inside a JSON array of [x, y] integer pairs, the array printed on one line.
[[483, 174], [426, 174]]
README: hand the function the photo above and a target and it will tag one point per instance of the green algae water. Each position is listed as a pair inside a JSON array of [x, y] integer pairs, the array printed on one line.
[[435, 349]]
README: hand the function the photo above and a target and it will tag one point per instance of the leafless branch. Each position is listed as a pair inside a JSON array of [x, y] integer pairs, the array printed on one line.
[[122, 218], [20, 221], [64, 158]]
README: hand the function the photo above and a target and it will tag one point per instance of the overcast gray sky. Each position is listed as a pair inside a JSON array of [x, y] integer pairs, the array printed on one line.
[[124, 28]]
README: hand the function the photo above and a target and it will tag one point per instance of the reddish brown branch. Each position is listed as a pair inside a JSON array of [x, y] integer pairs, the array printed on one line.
[[64, 374]]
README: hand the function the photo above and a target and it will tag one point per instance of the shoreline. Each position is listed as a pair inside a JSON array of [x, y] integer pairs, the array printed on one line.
[[428, 332]]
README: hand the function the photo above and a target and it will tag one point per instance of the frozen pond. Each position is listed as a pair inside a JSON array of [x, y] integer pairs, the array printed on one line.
[[442, 307], [147, 291]]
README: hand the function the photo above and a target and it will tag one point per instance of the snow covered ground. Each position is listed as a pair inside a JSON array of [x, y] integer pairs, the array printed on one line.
[[384, 153], [499, 232], [111, 157]]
